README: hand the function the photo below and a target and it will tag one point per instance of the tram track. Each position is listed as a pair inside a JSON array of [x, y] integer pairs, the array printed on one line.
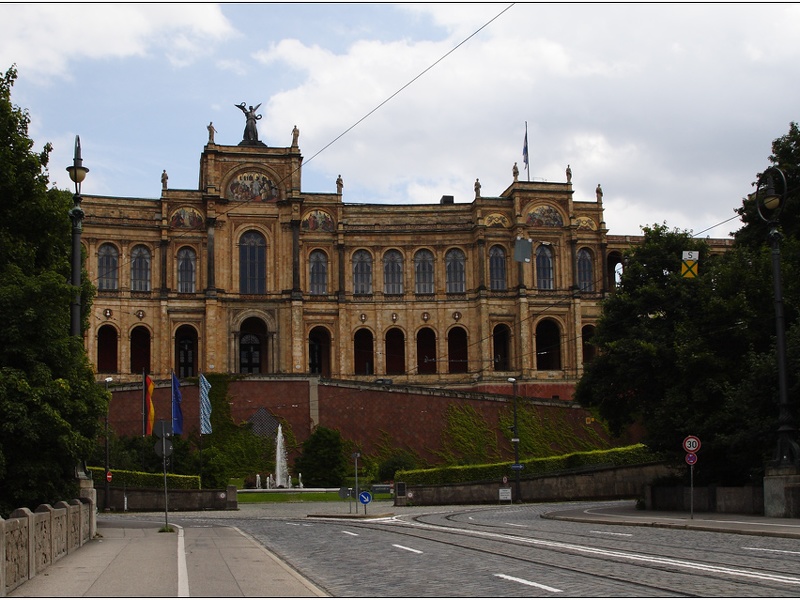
[[591, 560]]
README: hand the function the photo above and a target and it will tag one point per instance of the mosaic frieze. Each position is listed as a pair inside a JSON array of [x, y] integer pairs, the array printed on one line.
[[186, 218], [317, 220], [544, 216], [252, 186]]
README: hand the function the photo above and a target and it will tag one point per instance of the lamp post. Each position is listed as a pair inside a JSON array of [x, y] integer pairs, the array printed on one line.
[[515, 440], [108, 468], [77, 173], [770, 195]]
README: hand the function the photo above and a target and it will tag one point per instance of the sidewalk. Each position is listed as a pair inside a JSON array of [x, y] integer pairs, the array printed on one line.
[[718, 522], [132, 559]]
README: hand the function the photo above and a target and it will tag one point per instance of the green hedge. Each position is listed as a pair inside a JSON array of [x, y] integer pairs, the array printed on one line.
[[617, 457], [138, 479]]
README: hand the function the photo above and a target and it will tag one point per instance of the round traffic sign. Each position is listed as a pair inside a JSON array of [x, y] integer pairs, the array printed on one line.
[[108, 476], [365, 498], [691, 458], [691, 443]]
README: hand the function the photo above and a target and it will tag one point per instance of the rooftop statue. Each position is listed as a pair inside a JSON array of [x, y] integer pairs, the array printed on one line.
[[250, 135]]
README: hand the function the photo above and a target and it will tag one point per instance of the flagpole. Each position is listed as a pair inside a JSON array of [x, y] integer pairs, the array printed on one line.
[[200, 416], [527, 156], [144, 402]]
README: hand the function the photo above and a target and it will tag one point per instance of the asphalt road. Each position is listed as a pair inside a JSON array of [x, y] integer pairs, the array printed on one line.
[[508, 551]]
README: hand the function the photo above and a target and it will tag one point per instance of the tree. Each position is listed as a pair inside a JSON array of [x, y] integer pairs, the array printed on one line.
[[672, 351], [322, 461], [49, 401]]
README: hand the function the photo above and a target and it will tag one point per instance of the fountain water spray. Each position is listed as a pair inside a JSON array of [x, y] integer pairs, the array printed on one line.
[[282, 477]]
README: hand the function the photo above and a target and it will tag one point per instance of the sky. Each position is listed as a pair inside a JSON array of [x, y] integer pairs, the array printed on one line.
[[672, 108]]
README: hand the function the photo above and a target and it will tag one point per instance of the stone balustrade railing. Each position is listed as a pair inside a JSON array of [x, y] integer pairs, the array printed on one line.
[[32, 541]]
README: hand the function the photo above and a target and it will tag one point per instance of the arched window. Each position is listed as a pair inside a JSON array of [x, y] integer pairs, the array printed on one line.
[[186, 351], [362, 272], [140, 349], [423, 272], [318, 273], [319, 352], [107, 267], [187, 267], [456, 271], [426, 351], [364, 356], [140, 269], [497, 268], [548, 346], [107, 349], [395, 352], [501, 339], [585, 271], [392, 272], [252, 263], [544, 268], [252, 346], [589, 350], [457, 351]]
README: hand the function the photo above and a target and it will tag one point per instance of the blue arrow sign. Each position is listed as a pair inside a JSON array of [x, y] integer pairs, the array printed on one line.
[[365, 497], [517, 467]]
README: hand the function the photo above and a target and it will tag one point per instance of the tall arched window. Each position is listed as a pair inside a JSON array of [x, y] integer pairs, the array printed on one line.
[[252, 263], [140, 349], [501, 342], [362, 272], [392, 272], [544, 268], [186, 351], [423, 272], [107, 338], [187, 268], [548, 345], [497, 268], [395, 351], [140, 269], [426, 351], [585, 271], [456, 271], [107, 267], [318, 273], [363, 353], [457, 351]]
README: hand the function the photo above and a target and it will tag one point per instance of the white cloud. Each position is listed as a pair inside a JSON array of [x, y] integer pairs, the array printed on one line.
[[46, 38]]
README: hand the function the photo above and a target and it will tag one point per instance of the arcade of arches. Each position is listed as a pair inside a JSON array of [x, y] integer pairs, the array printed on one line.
[[251, 274]]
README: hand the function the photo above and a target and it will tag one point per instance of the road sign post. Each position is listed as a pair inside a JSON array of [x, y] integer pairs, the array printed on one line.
[[365, 498], [691, 444]]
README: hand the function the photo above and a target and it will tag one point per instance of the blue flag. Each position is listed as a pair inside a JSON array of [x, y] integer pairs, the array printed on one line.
[[177, 413], [205, 406], [525, 148]]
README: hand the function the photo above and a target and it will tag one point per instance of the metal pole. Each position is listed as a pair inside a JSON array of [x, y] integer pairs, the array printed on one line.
[[516, 445], [108, 462], [76, 215]]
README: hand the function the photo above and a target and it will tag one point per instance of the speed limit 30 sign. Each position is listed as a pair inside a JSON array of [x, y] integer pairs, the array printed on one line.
[[691, 444]]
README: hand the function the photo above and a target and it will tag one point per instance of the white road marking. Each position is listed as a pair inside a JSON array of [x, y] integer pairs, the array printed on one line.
[[407, 548], [772, 550], [183, 572], [663, 561], [526, 582], [349, 533], [514, 524], [612, 533]]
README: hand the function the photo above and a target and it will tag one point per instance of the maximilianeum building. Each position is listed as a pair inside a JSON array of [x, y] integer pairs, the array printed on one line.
[[251, 274]]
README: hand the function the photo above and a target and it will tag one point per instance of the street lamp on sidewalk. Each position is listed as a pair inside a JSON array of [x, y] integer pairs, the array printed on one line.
[[770, 196], [108, 467], [77, 173], [515, 440]]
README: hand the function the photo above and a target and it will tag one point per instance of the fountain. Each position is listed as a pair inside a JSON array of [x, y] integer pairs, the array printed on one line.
[[282, 477], [258, 481]]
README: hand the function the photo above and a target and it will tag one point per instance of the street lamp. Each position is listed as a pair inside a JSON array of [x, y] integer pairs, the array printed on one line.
[[108, 468], [515, 440], [769, 196], [77, 173]]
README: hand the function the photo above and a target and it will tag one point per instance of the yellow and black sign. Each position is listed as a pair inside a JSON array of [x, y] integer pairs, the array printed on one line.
[[689, 264]]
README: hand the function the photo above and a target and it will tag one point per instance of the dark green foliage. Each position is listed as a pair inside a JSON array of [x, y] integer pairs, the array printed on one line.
[[698, 356], [322, 461], [49, 400], [402, 460], [140, 479]]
